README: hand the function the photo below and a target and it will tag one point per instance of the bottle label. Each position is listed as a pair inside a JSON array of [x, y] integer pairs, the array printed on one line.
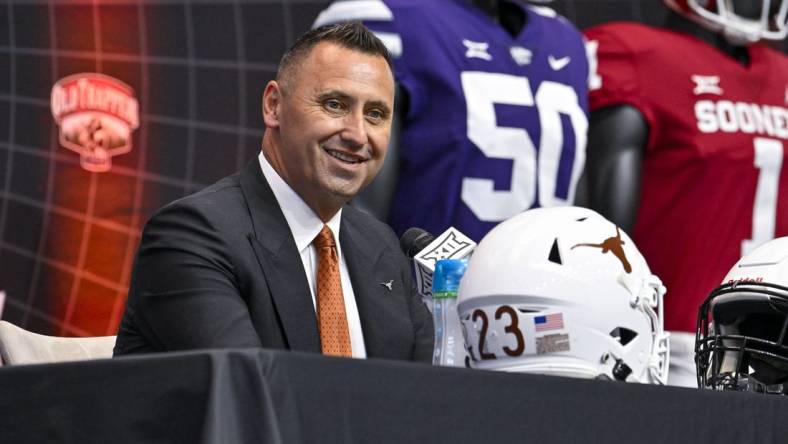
[[445, 295]]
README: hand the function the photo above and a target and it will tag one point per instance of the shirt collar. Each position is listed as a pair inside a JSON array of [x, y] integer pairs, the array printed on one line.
[[303, 222]]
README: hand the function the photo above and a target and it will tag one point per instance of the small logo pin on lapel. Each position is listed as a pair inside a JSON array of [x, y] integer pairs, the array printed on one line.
[[388, 284]]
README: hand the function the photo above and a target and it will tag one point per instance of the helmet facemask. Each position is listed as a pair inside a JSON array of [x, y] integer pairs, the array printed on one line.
[[740, 22], [742, 339]]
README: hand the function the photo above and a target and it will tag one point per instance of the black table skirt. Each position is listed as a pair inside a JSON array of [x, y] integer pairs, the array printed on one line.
[[261, 396]]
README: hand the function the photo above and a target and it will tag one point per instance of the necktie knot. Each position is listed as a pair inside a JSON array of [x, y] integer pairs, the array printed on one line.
[[324, 239]]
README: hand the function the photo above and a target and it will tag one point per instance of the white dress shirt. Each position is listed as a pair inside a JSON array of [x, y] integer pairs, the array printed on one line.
[[305, 226]]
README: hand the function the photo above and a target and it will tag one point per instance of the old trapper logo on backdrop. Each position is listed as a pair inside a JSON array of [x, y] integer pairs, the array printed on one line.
[[96, 115]]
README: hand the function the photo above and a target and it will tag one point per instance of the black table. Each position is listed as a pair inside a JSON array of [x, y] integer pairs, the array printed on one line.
[[261, 396]]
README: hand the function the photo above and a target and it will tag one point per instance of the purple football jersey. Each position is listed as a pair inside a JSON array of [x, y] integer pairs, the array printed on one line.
[[495, 124]]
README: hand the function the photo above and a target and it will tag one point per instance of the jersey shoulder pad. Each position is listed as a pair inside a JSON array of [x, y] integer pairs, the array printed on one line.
[[630, 37], [349, 10], [772, 56], [550, 15], [544, 11], [554, 24], [374, 13]]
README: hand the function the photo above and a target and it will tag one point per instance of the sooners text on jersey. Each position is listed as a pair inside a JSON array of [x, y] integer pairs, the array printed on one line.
[[714, 183]]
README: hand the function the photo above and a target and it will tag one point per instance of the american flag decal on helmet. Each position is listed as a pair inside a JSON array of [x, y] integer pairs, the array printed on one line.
[[549, 322]]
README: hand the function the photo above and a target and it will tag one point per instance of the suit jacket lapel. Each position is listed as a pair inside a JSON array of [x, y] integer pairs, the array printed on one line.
[[280, 262], [365, 259]]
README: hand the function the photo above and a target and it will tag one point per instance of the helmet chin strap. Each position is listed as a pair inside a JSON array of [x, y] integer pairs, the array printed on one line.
[[660, 359]]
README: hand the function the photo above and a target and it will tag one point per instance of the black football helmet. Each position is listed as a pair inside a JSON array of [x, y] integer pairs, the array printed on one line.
[[741, 341]]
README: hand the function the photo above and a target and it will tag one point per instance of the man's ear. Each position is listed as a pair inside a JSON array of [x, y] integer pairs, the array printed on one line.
[[272, 101]]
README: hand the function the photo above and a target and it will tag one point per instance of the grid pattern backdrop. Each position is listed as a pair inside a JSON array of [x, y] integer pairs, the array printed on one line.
[[198, 68]]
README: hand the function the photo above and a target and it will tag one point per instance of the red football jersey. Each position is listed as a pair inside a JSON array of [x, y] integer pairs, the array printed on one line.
[[714, 179]]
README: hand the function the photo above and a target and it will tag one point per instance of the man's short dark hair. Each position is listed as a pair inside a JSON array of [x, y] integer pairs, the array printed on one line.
[[350, 35]]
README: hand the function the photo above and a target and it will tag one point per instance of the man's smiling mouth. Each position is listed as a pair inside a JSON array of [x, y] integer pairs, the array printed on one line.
[[344, 157]]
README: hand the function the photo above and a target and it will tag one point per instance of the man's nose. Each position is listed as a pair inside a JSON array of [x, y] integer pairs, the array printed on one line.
[[355, 130]]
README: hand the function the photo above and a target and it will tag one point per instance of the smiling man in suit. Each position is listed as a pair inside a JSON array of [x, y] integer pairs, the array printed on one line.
[[271, 256]]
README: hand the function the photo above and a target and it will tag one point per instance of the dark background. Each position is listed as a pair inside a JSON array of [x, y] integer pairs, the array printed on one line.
[[68, 236]]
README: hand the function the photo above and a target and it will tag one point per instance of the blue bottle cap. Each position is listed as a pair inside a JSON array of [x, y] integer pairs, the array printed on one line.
[[447, 276]]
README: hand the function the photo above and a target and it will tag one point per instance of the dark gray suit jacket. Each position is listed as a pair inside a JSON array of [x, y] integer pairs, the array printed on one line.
[[220, 268]]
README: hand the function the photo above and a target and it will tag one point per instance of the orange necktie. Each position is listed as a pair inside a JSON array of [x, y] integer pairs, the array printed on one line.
[[331, 318]]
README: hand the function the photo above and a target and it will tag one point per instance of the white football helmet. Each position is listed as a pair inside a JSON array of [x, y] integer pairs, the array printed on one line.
[[742, 334], [741, 22], [563, 291]]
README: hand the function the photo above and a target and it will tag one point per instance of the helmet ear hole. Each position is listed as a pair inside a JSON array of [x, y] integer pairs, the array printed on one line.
[[623, 335], [555, 255]]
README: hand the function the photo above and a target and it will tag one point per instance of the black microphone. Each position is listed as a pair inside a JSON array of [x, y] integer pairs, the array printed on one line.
[[414, 240]]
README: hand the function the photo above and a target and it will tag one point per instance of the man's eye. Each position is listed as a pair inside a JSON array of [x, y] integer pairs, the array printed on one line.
[[375, 114], [333, 104]]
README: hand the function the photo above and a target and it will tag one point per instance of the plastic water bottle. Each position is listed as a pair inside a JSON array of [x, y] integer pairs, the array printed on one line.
[[449, 342]]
